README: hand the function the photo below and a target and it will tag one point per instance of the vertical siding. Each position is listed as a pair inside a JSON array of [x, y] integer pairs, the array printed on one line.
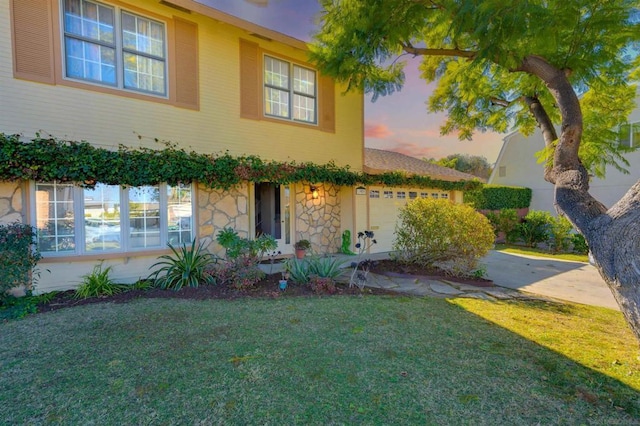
[[518, 156]]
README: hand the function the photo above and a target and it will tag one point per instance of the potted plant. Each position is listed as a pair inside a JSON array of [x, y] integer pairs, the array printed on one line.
[[301, 248]]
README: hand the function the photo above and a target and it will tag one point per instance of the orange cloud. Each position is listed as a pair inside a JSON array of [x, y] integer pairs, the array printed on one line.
[[378, 131], [415, 150]]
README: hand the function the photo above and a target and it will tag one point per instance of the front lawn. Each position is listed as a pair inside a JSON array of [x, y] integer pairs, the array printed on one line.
[[531, 251], [313, 360]]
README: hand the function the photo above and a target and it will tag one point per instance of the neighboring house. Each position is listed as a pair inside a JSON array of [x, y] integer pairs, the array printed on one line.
[[517, 166], [137, 72]]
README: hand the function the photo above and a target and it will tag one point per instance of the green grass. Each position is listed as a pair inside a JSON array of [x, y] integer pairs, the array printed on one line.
[[336, 360], [508, 248]]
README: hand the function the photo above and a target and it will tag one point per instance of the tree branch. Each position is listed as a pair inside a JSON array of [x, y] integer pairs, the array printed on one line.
[[568, 174], [423, 51], [548, 130], [501, 102]]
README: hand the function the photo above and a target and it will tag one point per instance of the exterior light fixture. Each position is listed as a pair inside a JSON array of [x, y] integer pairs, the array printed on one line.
[[314, 192]]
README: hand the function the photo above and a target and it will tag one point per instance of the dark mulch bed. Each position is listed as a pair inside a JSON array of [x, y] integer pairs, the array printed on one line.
[[391, 268], [267, 288]]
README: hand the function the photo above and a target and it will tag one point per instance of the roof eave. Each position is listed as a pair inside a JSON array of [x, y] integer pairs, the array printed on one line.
[[249, 27]]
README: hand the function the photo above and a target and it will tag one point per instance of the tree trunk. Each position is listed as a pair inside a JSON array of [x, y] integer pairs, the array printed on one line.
[[612, 235]]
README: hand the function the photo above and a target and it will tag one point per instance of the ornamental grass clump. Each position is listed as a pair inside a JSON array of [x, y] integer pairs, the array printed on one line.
[[441, 234], [97, 283]]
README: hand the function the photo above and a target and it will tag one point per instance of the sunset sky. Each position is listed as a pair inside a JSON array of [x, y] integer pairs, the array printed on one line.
[[399, 122]]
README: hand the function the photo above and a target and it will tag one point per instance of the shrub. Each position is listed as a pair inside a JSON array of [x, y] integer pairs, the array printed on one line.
[[495, 197], [579, 244], [240, 273], [240, 269], [12, 307], [433, 231], [322, 285], [186, 267], [535, 228], [97, 283], [506, 221], [236, 247], [18, 256], [560, 234]]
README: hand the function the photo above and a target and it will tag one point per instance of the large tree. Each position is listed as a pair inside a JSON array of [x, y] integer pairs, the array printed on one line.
[[476, 165], [567, 66]]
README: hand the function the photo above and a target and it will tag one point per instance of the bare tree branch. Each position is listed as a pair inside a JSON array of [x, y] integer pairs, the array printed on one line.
[[423, 51]]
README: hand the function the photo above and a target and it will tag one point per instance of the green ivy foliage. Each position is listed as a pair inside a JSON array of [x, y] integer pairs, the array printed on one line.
[[494, 197], [49, 159]]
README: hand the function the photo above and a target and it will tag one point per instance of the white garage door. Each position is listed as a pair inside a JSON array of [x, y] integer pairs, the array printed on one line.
[[384, 206]]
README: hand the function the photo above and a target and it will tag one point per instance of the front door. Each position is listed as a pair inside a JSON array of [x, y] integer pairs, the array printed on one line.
[[273, 213]]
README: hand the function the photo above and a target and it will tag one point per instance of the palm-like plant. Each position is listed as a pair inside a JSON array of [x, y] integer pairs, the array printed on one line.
[[97, 283], [185, 268]]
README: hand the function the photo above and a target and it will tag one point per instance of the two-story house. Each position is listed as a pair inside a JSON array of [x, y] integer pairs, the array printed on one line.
[[133, 73]]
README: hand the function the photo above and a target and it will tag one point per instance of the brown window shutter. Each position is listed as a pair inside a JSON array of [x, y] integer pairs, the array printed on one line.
[[186, 64], [327, 107], [32, 41], [250, 99]]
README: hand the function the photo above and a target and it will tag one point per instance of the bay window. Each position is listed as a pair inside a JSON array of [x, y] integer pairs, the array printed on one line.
[[108, 218]]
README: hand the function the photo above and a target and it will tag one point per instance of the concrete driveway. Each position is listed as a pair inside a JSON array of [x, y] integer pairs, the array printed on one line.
[[572, 281]]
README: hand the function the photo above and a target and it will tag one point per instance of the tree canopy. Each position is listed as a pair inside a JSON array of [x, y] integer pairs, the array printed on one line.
[[567, 66], [479, 54], [473, 164]]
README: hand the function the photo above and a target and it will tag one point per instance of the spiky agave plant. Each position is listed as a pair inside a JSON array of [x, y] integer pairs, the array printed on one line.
[[185, 268]]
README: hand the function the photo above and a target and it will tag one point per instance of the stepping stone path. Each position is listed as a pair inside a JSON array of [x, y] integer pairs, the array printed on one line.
[[418, 286]]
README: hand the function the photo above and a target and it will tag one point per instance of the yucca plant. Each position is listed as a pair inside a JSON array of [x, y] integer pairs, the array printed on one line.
[[185, 268], [97, 283], [298, 270], [325, 267]]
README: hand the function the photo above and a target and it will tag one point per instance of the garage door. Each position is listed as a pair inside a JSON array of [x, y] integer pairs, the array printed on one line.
[[384, 206]]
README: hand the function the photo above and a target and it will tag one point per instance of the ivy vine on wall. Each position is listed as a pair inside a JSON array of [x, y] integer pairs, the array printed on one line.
[[49, 159]]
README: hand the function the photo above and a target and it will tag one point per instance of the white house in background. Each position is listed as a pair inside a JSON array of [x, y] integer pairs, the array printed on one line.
[[517, 166]]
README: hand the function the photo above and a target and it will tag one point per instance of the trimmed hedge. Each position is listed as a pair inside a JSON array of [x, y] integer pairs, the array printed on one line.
[[495, 197]]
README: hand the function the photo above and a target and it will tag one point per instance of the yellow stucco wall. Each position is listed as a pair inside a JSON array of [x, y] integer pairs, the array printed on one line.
[[108, 120]]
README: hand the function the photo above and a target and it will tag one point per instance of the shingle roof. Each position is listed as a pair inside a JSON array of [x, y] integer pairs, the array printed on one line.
[[377, 161]]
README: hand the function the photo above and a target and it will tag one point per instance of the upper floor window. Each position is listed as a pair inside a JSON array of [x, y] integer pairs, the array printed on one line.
[[107, 45], [289, 91], [107, 218], [630, 134]]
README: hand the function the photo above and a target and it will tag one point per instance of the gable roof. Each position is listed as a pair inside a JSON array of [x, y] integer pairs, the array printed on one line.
[[377, 161]]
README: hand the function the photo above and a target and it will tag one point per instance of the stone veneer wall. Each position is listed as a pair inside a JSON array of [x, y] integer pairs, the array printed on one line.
[[11, 202], [218, 209], [319, 220]]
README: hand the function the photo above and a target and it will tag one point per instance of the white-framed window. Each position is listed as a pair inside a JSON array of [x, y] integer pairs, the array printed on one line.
[[629, 134], [444, 195], [106, 45], [401, 195], [289, 91], [107, 218], [413, 195], [388, 194], [424, 195], [374, 193]]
